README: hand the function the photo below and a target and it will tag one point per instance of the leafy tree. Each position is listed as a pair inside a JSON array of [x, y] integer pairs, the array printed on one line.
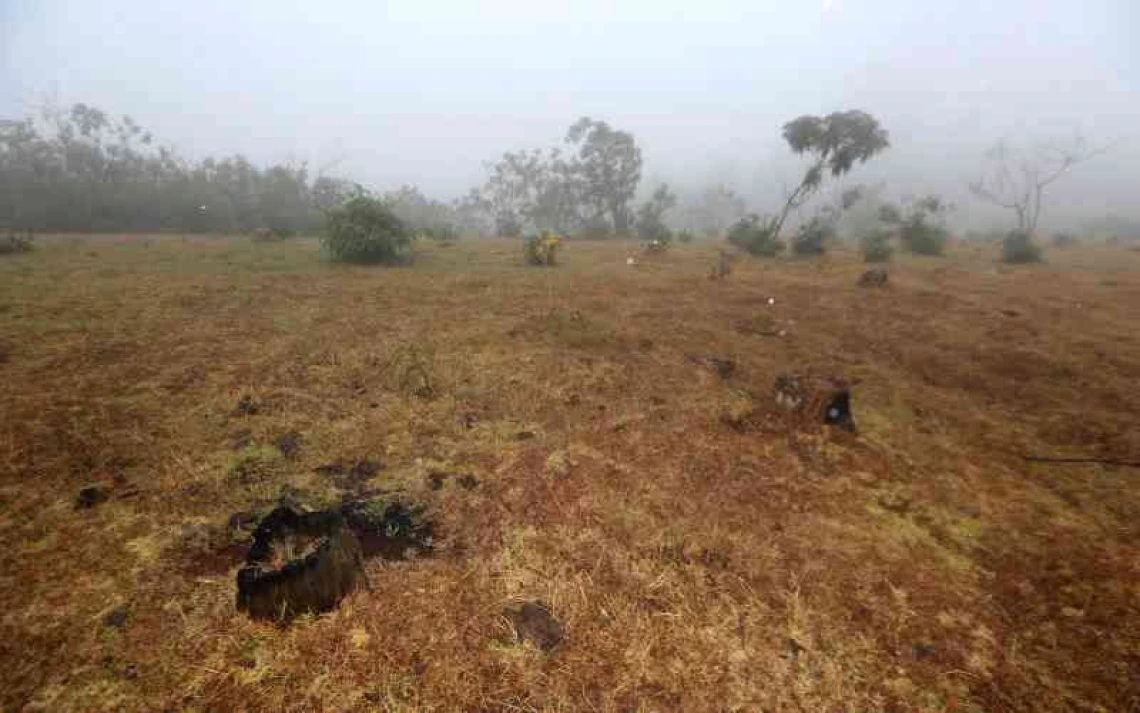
[[835, 143], [365, 230], [651, 215], [610, 165]]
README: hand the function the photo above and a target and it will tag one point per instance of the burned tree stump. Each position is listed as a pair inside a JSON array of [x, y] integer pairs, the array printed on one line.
[[874, 278], [299, 562], [812, 402]]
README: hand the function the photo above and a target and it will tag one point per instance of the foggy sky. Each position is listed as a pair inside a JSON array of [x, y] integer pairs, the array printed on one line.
[[424, 92]]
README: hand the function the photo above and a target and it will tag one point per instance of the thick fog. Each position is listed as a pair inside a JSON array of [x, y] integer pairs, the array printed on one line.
[[424, 92]]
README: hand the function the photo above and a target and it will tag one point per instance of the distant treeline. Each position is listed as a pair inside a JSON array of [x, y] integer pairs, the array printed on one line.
[[81, 169]]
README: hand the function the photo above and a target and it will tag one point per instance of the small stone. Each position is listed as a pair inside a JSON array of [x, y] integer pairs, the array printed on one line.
[[923, 651], [533, 622], [91, 496], [288, 443], [117, 617]]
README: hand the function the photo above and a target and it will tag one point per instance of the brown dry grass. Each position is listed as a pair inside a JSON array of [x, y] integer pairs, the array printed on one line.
[[920, 566]]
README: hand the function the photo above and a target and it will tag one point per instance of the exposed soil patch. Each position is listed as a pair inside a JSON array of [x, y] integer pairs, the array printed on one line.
[[389, 529]]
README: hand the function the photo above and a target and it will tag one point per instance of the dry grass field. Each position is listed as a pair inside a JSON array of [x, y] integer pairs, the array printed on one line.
[[569, 447]]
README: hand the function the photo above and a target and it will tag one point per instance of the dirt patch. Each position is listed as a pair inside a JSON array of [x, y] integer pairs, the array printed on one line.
[[389, 528]]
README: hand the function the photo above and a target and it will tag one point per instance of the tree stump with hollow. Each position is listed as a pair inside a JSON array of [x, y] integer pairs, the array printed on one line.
[[299, 562], [812, 402]]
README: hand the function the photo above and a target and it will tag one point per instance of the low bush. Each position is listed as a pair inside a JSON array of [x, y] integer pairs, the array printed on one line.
[[685, 236], [364, 230], [1019, 247], [756, 235], [541, 249], [813, 236], [877, 247], [17, 243]]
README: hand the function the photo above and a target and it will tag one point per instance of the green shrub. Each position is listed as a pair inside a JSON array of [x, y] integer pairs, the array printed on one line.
[[17, 243], [1019, 247], [364, 230], [877, 246], [756, 235], [685, 236], [541, 249], [923, 238], [813, 236]]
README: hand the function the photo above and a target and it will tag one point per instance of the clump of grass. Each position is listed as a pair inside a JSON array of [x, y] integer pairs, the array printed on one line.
[[254, 464]]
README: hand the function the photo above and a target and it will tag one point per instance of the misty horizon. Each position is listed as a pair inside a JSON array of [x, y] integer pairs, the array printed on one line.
[[426, 95]]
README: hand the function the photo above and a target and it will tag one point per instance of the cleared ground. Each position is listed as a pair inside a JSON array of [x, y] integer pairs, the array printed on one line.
[[922, 565]]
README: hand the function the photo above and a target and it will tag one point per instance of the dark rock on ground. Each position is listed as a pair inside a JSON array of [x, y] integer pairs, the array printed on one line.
[[534, 622], [117, 617], [288, 443], [246, 406], [874, 278], [91, 496]]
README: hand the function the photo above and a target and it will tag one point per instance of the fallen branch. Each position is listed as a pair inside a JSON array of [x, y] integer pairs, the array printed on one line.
[[1101, 461]]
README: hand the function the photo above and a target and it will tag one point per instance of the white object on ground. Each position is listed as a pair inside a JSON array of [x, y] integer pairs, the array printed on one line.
[[630, 261]]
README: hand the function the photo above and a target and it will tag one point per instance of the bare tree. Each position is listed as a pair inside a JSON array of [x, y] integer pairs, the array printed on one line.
[[1017, 178]]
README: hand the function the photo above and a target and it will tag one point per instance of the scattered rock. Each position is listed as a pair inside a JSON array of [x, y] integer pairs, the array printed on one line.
[[117, 617], [874, 278], [288, 443], [299, 562], [246, 406], [721, 367], [91, 496], [533, 622]]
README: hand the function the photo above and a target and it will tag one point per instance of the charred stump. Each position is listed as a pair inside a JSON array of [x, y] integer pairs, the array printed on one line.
[[812, 402], [874, 278], [299, 562]]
